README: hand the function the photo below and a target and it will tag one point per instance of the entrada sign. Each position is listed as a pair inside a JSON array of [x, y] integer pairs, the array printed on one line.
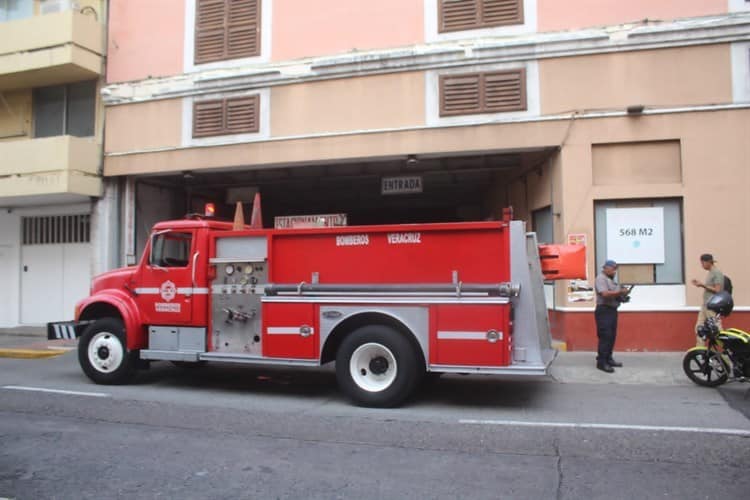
[[401, 185]]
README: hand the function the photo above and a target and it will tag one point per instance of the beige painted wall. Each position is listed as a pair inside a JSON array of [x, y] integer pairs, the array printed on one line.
[[317, 27], [651, 162], [714, 152], [556, 15], [40, 32], [539, 187], [395, 100], [667, 77], [336, 148], [154, 124], [49, 154], [146, 39], [518, 198]]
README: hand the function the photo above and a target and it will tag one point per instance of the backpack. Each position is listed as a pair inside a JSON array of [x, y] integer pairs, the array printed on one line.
[[727, 284]]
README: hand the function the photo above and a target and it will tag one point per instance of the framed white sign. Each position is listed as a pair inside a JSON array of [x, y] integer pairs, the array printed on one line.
[[635, 235]]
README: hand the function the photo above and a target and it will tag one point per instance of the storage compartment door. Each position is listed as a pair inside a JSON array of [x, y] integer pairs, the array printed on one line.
[[290, 331], [475, 335]]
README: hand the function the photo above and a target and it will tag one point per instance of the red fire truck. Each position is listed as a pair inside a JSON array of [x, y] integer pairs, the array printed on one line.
[[387, 303]]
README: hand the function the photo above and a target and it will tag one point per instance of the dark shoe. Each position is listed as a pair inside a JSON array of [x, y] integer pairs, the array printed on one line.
[[614, 363], [605, 367]]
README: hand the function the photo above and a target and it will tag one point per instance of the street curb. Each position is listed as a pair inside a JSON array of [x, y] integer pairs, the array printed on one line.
[[30, 353]]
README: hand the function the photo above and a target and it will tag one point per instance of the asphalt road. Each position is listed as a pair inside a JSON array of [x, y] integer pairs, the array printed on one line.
[[236, 432]]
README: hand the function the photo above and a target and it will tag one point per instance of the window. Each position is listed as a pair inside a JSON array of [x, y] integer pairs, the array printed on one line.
[[54, 229], [226, 29], [10, 10], [170, 249], [670, 271], [477, 93], [541, 222], [457, 15], [65, 110], [54, 6], [238, 115]]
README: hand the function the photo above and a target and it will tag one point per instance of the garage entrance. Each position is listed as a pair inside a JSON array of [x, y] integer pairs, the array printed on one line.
[[408, 189], [55, 266]]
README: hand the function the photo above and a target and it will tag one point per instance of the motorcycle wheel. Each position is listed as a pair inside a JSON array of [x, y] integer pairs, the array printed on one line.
[[705, 368]]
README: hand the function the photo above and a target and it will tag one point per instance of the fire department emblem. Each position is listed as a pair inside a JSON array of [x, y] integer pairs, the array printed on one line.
[[168, 290]]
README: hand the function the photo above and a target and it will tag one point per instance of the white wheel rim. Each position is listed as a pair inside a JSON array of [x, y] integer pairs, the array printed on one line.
[[373, 367], [105, 352]]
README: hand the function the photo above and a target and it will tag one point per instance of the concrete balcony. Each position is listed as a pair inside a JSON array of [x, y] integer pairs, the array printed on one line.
[[51, 49], [49, 170]]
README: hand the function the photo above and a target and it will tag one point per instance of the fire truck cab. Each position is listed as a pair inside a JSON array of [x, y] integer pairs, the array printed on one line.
[[388, 304]]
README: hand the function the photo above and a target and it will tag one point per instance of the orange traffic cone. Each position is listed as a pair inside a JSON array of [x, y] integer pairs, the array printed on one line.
[[239, 217], [256, 218]]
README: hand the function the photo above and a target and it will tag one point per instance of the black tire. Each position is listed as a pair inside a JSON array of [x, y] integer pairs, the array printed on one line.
[[103, 353], [377, 367], [705, 367]]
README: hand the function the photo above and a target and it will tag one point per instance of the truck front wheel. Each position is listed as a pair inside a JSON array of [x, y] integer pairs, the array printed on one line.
[[103, 355], [376, 366]]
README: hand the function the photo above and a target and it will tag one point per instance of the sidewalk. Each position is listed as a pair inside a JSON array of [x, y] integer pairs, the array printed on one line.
[[650, 368], [645, 368], [30, 342]]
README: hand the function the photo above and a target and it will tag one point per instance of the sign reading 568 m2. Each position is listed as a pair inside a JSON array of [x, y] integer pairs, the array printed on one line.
[[636, 235]]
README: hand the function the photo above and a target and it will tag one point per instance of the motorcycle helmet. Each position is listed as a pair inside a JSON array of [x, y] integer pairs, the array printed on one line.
[[721, 303]]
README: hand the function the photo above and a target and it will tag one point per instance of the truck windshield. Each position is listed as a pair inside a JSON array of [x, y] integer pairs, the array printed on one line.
[[171, 249]]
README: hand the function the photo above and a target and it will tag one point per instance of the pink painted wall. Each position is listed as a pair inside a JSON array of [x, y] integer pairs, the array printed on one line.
[[557, 15], [146, 38], [319, 27]]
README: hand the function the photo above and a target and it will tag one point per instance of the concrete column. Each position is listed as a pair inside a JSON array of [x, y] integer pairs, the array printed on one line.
[[105, 228]]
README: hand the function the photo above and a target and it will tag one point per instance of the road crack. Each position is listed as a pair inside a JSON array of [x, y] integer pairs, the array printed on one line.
[[558, 466]]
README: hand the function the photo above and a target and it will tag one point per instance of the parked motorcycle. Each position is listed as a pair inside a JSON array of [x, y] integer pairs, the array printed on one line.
[[726, 355]]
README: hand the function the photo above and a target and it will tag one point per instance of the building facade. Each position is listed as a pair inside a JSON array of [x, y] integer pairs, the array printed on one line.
[[51, 135], [621, 125]]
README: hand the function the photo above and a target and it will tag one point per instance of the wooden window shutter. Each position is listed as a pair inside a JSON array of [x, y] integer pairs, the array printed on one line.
[[210, 18], [505, 91], [226, 29], [457, 15], [208, 118], [460, 95], [502, 12], [239, 115], [476, 93], [242, 115], [243, 28]]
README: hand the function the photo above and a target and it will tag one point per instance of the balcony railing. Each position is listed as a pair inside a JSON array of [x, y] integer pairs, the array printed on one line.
[[63, 168], [50, 49]]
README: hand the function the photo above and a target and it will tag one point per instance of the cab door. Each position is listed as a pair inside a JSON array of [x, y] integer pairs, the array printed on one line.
[[165, 289]]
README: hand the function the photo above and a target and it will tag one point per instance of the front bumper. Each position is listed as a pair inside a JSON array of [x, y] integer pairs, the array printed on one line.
[[66, 329]]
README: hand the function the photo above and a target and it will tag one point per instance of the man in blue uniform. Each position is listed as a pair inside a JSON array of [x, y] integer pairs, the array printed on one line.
[[609, 296]]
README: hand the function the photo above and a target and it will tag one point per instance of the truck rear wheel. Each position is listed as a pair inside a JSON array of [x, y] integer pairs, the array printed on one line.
[[103, 353], [376, 366]]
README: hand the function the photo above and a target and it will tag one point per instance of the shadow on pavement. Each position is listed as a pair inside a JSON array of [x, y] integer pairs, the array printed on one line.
[[738, 397], [454, 390]]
